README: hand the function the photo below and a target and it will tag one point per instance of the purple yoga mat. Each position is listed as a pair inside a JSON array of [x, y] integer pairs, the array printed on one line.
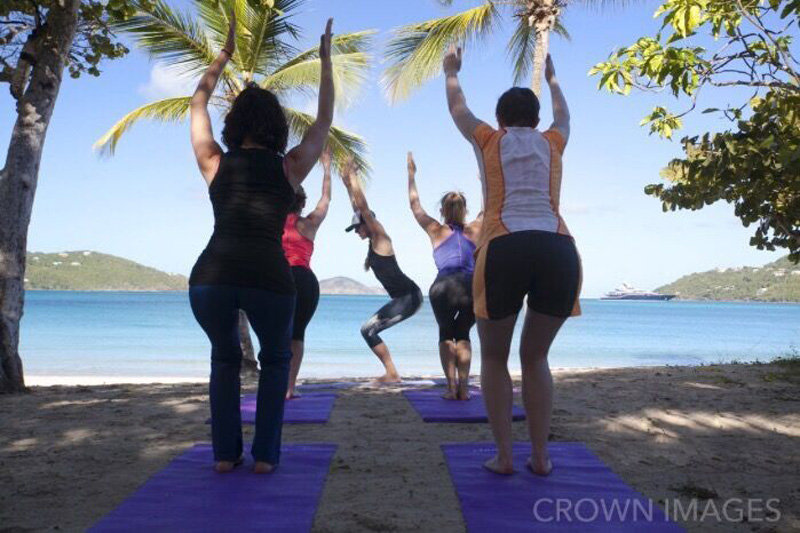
[[433, 408], [187, 495], [584, 489], [309, 408]]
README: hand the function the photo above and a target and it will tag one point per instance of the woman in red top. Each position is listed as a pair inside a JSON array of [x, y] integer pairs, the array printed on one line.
[[298, 245]]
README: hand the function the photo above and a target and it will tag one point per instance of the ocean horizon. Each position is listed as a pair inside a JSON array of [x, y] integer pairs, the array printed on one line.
[[153, 334]]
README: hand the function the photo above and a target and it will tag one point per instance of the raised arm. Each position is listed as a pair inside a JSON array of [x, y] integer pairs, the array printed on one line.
[[302, 158], [456, 101], [426, 222], [319, 213], [560, 109], [380, 240], [206, 150]]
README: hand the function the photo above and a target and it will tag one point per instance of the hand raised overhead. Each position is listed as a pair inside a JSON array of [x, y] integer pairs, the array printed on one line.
[[325, 42], [549, 69], [452, 60]]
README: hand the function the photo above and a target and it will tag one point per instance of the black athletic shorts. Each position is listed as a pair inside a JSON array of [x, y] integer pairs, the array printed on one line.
[[543, 265]]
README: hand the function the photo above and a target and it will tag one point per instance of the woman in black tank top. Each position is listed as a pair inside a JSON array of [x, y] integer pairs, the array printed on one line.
[[405, 294], [251, 187]]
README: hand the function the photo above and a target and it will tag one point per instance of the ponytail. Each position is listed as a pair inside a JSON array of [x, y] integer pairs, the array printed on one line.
[[454, 208]]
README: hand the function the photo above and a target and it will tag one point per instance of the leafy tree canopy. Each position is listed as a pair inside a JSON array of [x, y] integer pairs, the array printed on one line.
[[755, 165], [21, 20]]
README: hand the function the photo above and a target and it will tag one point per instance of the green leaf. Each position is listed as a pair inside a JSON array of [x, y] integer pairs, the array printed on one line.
[[415, 52]]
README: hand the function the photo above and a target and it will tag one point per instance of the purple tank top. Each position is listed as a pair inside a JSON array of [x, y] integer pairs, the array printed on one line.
[[454, 254]]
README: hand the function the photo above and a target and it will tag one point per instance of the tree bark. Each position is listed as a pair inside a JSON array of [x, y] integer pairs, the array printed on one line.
[[540, 52], [19, 176], [541, 16]]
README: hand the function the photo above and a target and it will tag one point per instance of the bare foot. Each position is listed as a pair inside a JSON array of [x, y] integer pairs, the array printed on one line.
[[291, 395], [389, 378], [540, 468], [450, 395], [223, 467], [463, 393], [495, 465], [263, 468]]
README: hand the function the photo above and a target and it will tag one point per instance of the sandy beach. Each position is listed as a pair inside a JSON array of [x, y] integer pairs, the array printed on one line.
[[70, 454]]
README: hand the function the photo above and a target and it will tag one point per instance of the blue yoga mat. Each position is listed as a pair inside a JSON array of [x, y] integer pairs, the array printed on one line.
[[187, 495], [433, 408], [584, 488]]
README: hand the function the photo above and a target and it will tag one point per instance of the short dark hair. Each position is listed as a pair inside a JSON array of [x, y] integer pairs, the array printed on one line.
[[518, 106], [257, 115], [299, 200]]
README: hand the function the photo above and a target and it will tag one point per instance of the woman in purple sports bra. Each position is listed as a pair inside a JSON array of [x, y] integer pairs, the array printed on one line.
[[451, 293]]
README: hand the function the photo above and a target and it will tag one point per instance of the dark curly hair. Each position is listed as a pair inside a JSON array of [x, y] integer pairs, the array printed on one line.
[[299, 201], [256, 115]]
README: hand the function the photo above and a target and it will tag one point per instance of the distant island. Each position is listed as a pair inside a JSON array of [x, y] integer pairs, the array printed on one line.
[[92, 271], [342, 285], [88, 270], [778, 281]]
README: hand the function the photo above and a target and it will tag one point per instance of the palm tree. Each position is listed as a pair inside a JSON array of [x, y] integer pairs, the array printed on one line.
[[265, 54], [416, 51]]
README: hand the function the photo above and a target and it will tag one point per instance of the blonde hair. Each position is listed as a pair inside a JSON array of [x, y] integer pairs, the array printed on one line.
[[454, 208]]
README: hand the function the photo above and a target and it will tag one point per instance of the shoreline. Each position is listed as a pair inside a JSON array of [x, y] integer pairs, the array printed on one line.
[[90, 381], [51, 380]]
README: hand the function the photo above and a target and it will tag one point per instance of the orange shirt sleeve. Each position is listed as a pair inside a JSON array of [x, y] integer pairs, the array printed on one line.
[[482, 134], [556, 139]]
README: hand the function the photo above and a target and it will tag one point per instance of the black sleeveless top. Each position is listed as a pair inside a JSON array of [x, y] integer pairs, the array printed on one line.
[[251, 197], [389, 274]]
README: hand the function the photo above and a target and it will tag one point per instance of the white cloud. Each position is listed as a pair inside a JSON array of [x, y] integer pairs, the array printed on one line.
[[167, 82]]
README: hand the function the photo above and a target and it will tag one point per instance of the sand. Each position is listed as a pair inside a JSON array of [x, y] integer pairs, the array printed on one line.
[[70, 454]]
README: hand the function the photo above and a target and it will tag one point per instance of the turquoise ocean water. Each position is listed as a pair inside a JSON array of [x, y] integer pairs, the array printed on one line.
[[154, 334]]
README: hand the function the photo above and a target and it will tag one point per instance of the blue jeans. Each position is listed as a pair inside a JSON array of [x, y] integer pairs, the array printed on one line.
[[216, 308]]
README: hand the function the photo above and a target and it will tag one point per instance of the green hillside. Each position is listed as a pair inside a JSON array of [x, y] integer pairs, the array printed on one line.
[[774, 282], [92, 271]]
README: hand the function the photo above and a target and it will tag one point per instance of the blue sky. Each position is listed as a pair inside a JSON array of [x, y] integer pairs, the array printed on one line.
[[149, 203]]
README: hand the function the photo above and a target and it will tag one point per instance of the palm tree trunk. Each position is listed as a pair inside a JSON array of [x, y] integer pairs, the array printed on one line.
[[541, 15], [539, 58], [19, 177]]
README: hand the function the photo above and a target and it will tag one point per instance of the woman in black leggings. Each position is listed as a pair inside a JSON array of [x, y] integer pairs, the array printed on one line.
[[298, 245], [405, 294], [451, 293]]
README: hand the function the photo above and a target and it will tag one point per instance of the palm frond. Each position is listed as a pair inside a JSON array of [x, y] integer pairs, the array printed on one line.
[[416, 51], [343, 144], [520, 49], [260, 31], [522, 44], [561, 30], [350, 68], [167, 110], [171, 36]]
